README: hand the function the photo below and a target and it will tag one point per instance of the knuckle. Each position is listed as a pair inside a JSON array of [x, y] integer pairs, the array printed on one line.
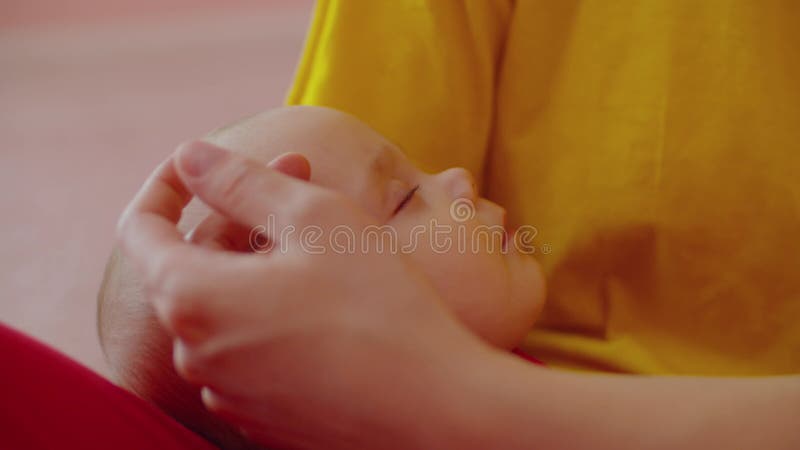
[[212, 401], [188, 319], [179, 307], [179, 314], [199, 363], [163, 276], [235, 186]]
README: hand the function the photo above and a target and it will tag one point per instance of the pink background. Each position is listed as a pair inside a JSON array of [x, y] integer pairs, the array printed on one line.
[[93, 94]]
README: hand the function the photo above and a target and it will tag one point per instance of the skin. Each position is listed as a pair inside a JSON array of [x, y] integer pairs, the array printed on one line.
[[496, 294], [373, 384], [351, 158]]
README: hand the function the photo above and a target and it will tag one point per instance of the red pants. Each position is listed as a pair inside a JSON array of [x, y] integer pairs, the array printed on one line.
[[48, 401], [51, 402]]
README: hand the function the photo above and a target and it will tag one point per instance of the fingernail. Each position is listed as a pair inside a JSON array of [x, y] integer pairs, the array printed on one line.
[[198, 158]]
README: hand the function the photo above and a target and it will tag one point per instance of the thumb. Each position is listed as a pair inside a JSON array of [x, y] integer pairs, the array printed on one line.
[[217, 231], [244, 190]]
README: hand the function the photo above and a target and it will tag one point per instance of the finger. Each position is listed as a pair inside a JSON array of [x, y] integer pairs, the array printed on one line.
[[244, 190], [163, 193], [180, 278], [147, 228], [275, 421], [245, 413], [293, 164], [219, 232]]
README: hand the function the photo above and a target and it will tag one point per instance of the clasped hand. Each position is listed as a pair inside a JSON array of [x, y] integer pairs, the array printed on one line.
[[328, 348]]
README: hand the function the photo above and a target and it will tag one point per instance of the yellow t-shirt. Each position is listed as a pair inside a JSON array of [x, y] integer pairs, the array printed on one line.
[[654, 145]]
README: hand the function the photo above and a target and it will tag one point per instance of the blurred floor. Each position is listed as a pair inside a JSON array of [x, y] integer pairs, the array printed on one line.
[[87, 109]]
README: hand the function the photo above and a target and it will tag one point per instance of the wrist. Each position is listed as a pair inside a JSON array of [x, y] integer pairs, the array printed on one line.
[[481, 401]]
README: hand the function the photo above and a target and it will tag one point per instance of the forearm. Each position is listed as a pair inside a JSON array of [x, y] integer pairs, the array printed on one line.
[[515, 405]]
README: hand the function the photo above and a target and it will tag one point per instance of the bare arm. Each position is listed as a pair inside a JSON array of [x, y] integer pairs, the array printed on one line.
[[514, 405]]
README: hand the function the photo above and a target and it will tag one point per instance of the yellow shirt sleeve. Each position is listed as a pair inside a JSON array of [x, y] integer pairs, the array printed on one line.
[[420, 72], [655, 146]]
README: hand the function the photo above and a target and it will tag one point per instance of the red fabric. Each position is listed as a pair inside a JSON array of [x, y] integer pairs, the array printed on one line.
[[48, 401], [51, 402], [528, 357]]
